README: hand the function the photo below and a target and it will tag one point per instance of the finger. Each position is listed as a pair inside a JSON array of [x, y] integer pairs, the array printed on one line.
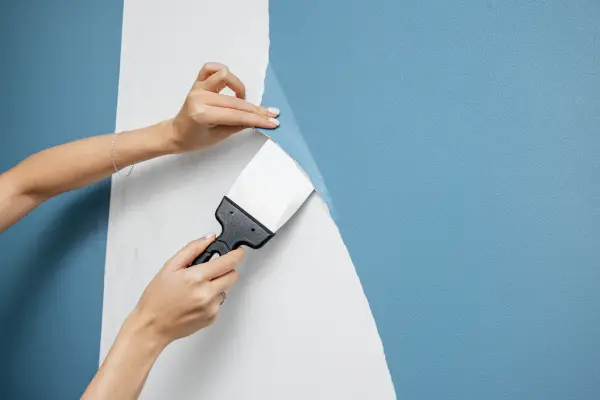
[[223, 132], [224, 283], [217, 267], [208, 69], [222, 79], [228, 116], [189, 253], [220, 100]]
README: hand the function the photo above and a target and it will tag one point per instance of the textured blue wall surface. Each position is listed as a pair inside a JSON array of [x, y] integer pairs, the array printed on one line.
[[59, 72], [459, 143]]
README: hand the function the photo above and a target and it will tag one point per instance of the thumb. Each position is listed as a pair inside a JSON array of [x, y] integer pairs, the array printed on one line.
[[188, 254]]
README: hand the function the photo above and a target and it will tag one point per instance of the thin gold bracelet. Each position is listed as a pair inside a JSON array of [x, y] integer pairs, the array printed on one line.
[[112, 156]]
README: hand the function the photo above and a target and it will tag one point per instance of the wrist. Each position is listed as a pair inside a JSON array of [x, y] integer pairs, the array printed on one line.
[[171, 135], [166, 137], [146, 143], [142, 330]]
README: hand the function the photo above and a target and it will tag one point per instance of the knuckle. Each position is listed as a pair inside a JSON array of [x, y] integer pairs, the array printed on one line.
[[234, 259], [202, 297], [252, 120], [196, 88], [198, 93], [224, 74], [213, 65], [234, 276], [199, 108], [262, 120], [239, 254], [208, 66], [197, 276]]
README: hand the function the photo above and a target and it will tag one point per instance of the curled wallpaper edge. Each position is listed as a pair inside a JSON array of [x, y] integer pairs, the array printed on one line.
[[289, 136]]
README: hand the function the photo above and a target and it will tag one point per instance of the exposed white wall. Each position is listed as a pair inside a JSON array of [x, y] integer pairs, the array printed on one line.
[[297, 325]]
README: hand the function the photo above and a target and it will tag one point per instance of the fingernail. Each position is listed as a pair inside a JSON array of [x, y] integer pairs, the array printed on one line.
[[209, 236], [274, 121], [274, 111]]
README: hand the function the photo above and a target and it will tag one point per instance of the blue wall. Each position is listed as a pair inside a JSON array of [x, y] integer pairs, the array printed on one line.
[[459, 142], [59, 72]]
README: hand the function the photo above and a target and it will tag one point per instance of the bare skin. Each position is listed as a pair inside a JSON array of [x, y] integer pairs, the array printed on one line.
[[179, 300], [205, 118]]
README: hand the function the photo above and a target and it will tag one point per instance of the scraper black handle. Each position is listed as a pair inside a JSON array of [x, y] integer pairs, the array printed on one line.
[[238, 228]]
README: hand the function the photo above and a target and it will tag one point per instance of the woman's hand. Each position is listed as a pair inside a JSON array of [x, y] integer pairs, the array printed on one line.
[[205, 118], [177, 302], [208, 117], [180, 300]]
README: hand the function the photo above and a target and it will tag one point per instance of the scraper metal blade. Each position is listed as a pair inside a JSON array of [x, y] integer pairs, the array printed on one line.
[[268, 192]]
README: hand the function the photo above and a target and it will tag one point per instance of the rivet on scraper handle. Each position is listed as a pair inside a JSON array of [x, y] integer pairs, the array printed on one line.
[[238, 228]]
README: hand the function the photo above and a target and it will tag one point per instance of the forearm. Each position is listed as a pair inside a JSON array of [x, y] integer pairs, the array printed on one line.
[[80, 163], [74, 165], [13, 206], [127, 365]]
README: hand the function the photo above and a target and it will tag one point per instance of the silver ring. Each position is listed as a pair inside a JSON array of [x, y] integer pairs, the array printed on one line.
[[224, 296]]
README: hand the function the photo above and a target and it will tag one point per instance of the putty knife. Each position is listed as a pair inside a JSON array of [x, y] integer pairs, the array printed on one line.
[[270, 189]]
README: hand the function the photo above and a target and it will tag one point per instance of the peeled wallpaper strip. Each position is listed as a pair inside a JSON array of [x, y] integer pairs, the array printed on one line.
[[289, 136]]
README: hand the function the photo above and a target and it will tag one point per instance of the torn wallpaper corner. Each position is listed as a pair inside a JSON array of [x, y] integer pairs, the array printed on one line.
[[289, 136]]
